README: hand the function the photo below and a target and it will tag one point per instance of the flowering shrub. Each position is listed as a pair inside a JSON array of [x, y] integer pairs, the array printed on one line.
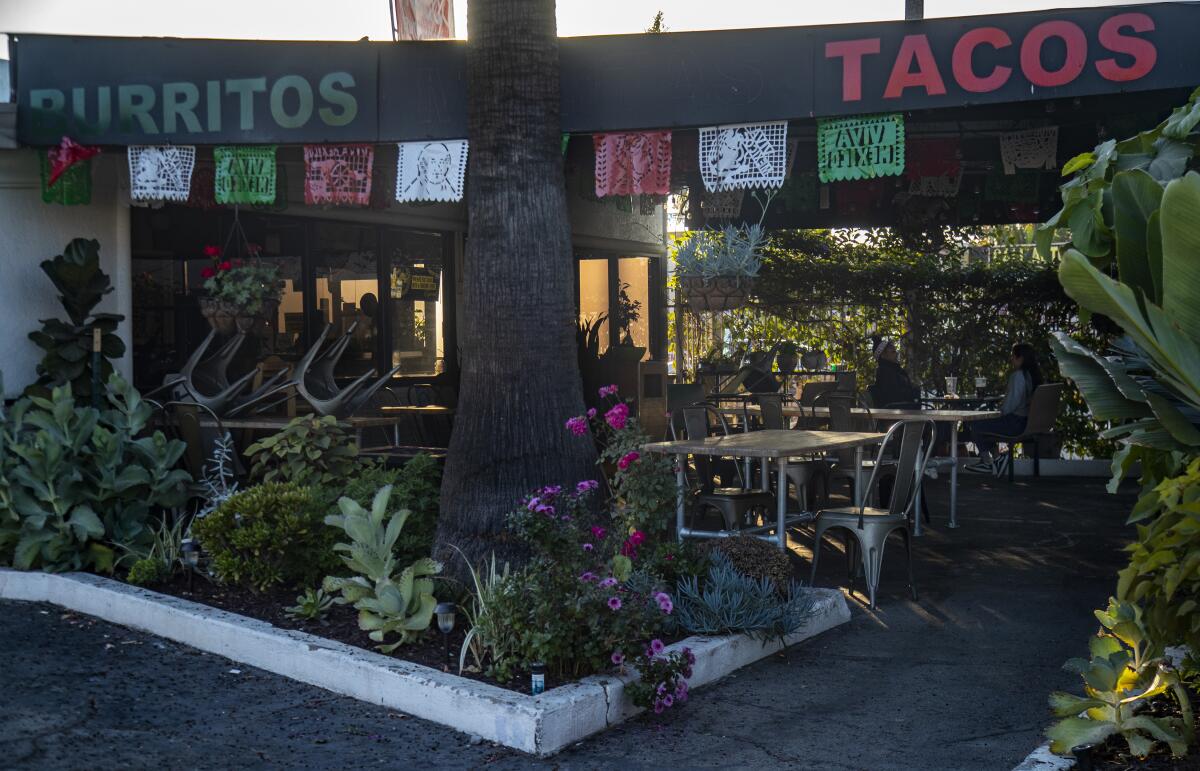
[[642, 485], [580, 600], [663, 682], [247, 285]]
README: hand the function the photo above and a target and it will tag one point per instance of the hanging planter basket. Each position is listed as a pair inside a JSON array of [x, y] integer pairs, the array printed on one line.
[[720, 293], [228, 319]]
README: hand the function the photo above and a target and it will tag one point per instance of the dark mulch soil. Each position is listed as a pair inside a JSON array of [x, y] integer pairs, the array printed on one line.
[[1114, 755], [340, 624]]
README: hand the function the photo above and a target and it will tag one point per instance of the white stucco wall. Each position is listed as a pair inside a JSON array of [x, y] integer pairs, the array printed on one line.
[[32, 231]]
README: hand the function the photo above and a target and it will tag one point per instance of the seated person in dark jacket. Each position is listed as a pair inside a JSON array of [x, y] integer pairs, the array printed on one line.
[[892, 387]]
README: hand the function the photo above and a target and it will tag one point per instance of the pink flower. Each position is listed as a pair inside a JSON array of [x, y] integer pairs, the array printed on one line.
[[212, 251], [587, 577], [667, 701], [591, 413], [618, 658], [586, 485], [225, 266], [608, 390], [610, 581], [628, 459], [598, 532], [664, 602], [207, 272], [578, 425], [637, 537], [691, 657], [614, 603], [656, 646], [658, 707], [617, 416], [681, 691], [588, 547]]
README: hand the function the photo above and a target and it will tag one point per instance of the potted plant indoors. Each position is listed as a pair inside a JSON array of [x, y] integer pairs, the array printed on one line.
[[240, 295], [717, 268]]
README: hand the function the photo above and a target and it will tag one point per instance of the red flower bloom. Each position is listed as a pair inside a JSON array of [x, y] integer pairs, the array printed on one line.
[[212, 251], [207, 272], [227, 265]]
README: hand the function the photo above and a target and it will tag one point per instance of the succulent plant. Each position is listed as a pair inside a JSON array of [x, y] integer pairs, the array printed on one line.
[[729, 252], [312, 605]]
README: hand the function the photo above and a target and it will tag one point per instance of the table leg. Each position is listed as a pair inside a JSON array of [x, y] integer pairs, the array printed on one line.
[[920, 488], [781, 502], [766, 475], [680, 492], [858, 461], [954, 474]]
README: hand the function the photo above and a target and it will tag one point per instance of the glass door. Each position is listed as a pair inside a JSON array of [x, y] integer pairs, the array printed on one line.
[[416, 302], [346, 290]]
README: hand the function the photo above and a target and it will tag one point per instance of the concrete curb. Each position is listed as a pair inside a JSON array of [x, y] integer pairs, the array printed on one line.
[[1042, 759], [540, 725]]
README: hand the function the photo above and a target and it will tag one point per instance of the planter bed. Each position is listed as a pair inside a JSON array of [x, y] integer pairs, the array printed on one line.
[[540, 725]]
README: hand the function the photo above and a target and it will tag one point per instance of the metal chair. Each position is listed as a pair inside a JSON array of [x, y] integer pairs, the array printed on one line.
[[842, 418], [735, 504], [870, 526], [1044, 406], [800, 470]]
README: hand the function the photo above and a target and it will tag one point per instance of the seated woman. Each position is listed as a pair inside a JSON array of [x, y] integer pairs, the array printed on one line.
[[892, 387], [1014, 412]]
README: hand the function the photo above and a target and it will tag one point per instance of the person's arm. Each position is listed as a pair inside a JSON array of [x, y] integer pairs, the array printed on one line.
[[1014, 397]]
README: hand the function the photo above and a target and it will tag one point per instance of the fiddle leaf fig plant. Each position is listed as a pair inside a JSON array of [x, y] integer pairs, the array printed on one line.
[[68, 360], [389, 600]]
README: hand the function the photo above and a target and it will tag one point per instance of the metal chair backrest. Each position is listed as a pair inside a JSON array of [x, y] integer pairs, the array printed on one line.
[[697, 425], [1044, 406], [813, 389], [680, 395], [915, 439], [770, 408], [845, 382]]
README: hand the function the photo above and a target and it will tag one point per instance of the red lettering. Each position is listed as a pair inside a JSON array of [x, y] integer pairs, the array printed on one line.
[[1144, 54], [1031, 53], [851, 53], [963, 67], [914, 47]]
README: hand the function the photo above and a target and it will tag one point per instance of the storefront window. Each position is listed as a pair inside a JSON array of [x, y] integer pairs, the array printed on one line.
[[593, 297], [345, 269], [415, 292], [633, 300]]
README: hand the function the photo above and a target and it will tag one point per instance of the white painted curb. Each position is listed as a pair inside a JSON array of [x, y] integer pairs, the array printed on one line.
[[541, 725], [1042, 759]]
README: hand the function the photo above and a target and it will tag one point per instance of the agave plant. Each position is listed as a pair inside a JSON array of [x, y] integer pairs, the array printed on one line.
[[388, 602]]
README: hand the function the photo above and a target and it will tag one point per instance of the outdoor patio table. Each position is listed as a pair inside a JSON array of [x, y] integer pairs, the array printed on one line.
[[777, 445], [953, 417]]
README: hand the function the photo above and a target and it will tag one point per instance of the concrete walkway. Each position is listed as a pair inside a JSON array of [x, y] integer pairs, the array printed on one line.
[[957, 680]]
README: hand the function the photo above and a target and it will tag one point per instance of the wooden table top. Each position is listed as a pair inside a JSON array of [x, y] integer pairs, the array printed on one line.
[[767, 444], [411, 409], [941, 416]]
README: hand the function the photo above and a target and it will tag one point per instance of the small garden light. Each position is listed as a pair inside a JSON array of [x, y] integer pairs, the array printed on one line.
[[191, 557], [445, 618]]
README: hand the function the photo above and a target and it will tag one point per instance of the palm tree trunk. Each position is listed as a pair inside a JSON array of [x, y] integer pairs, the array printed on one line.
[[520, 380]]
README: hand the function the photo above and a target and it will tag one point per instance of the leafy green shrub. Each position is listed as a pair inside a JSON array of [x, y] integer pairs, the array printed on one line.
[[67, 344], [158, 560], [728, 602], [75, 480], [1125, 672], [756, 558], [416, 486], [388, 602], [146, 572], [309, 450], [313, 605], [268, 535]]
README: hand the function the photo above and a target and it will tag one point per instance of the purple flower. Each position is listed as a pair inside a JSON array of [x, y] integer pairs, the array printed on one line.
[[618, 415], [565, 517], [598, 532], [588, 547], [691, 657], [587, 576], [608, 390], [586, 485], [534, 502], [628, 460], [656, 646], [618, 658], [610, 581], [658, 707], [614, 603], [591, 413], [667, 701], [578, 425], [661, 689], [664, 602], [546, 509], [551, 490], [681, 689], [687, 671]]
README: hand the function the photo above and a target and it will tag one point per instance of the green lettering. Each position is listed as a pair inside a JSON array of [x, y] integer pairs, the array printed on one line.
[[328, 89], [136, 101], [179, 101], [103, 110], [304, 108], [213, 87], [246, 88], [48, 118]]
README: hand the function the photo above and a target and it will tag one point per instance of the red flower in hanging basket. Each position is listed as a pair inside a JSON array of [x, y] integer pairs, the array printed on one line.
[[238, 263], [253, 249], [212, 251], [207, 272], [227, 265]]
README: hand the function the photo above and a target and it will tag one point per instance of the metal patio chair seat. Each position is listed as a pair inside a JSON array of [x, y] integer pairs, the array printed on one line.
[[1044, 406], [870, 526], [736, 504]]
